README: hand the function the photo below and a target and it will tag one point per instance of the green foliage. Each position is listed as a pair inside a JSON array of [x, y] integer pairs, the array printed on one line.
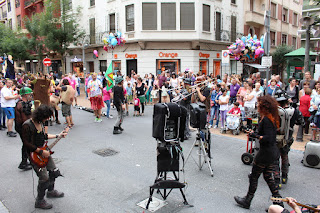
[[278, 56], [12, 43]]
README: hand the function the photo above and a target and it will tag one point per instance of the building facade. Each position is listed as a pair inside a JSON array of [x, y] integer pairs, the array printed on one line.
[[285, 16], [7, 13], [162, 34]]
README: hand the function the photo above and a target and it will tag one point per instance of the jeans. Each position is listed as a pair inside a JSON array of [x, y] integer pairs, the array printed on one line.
[[107, 102], [78, 90], [119, 118], [2, 117], [214, 111], [223, 117], [85, 89]]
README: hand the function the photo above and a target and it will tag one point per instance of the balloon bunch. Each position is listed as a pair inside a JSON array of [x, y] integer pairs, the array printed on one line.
[[247, 48], [113, 40]]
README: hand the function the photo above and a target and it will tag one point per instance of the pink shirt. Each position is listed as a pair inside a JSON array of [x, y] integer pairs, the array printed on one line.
[[136, 102], [106, 94], [73, 83]]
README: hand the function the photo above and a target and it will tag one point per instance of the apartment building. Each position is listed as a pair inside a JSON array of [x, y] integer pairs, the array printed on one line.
[[7, 13], [285, 16], [174, 35]]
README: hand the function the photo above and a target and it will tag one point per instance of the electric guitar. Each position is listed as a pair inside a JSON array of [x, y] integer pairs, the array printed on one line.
[[40, 161], [299, 204]]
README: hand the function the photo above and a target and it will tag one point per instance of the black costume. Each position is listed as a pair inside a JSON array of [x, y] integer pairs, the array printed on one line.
[[118, 100], [263, 162], [10, 70]]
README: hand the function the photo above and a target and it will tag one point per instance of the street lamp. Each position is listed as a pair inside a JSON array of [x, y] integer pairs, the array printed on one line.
[[85, 44]]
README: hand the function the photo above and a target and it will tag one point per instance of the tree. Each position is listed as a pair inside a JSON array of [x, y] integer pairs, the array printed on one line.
[[12, 43], [60, 28], [278, 56]]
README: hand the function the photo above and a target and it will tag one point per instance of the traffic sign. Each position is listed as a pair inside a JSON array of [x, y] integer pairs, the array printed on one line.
[[225, 57], [47, 62], [266, 61]]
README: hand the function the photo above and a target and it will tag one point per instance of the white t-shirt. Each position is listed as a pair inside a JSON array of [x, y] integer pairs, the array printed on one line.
[[6, 92], [223, 99], [94, 87], [252, 103], [175, 82]]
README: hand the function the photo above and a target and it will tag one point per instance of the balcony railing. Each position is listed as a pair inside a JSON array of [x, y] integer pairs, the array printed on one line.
[[29, 2]]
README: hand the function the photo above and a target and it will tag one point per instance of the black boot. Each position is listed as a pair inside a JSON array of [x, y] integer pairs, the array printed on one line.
[[24, 165], [244, 202], [278, 183], [42, 204], [121, 129], [284, 179], [116, 130]]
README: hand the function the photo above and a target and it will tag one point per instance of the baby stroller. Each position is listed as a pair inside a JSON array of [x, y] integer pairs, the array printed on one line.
[[234, 123]]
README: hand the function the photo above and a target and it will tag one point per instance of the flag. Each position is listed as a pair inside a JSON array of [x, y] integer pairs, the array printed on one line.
[[109, 77]]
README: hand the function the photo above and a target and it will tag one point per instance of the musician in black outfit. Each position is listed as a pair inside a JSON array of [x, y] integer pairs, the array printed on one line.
[[33, 138], [268, 153], [118, 100]]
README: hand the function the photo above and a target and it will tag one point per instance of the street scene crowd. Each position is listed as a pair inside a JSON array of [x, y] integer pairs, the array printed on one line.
[[30, 100]]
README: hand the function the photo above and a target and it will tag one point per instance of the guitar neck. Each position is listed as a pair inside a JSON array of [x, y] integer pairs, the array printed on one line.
[[299, 204], [54, 143]]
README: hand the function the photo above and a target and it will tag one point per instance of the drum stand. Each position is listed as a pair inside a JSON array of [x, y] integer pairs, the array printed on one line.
[[203, 150]]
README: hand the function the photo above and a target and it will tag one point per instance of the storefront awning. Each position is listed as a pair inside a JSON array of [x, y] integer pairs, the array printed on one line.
[[258, 66]]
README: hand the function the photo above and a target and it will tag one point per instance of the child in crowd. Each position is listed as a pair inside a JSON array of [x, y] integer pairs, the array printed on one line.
[[304, 108], [223, 102], [129, 92], [235, 109], [106, 99], [136, 106], [154, 94], [164, 93]]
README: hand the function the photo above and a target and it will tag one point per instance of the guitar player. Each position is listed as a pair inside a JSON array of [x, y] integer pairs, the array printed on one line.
[[33, 138]]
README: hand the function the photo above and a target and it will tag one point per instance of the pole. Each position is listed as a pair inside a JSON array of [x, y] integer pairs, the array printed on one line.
[[307, 51], [267, 47], [84, 59]]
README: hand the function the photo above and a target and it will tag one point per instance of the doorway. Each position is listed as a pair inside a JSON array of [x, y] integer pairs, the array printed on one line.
[[216, 68], [132, 65], [203, 65], [91, 66]]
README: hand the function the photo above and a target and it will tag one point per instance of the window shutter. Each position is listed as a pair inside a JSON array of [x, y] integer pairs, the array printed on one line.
[[218, 26], [168, 16], [187, 16], [233, 28], [206, 18], [149, 16]]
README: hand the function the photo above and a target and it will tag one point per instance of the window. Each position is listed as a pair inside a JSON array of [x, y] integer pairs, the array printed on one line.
[[130, 18], [233, 1], [9, 5], [218, 26], [284, 39], [295, 19], [17, 3], [187, 16], [19, 21], [273, 38], [206, 18], [233, 28], [149, 16], [103, 65], [168, 16], [285, 15], [10, 24], [273, 10], [112, 22], [92, 25], [294, 42], [251, 5], [92, 3]]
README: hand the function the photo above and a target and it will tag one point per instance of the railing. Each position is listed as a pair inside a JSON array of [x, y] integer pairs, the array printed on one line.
[[28, 3]]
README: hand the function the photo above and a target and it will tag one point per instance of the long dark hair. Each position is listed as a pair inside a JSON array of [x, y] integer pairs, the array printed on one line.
[[42, 113], [268, 107]]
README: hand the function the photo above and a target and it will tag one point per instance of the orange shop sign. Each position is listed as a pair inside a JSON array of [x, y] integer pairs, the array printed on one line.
[[168, 55], [204, 55], [134, 56]]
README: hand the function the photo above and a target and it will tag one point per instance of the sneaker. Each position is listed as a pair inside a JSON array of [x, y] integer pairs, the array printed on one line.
[[11, 134], [42, 204], [99, 120], [110, 116], [58, 122], [210, 126], [215, 126], [54, 194], [25, 166], [96, 120]]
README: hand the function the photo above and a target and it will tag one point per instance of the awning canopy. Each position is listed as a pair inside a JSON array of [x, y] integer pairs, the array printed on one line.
[[258, 66], [300, 52]]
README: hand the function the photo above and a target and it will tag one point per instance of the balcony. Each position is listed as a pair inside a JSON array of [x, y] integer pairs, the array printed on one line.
[[227, 36], [29, 3], [254, 18]]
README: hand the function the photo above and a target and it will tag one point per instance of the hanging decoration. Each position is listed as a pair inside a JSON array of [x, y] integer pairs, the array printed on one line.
[[113, 40]]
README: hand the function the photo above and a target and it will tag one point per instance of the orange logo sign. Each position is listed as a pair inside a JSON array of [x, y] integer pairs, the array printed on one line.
[[203, 55], [134, 56], [115, 56], [168, 55]]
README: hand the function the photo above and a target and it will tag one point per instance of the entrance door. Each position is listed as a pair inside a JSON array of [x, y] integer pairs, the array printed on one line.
[[216, 68], [91, 66], [203, 64], [132, 65]]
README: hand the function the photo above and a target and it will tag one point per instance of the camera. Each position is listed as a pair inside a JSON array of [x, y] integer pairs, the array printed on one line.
[[198, 115]]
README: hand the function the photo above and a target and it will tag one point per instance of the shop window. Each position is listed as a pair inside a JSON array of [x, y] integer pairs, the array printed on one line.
[[187, 16], [130, 18], [206, 18], [112, 22], [116, 66], [169, 65], [168, 16], [92, 31], [218, 26], [149, 16]]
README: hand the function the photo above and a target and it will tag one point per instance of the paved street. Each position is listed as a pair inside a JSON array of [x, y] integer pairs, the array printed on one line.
[[117, 183]]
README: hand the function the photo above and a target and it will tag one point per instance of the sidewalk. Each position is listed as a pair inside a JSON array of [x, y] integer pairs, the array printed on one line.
[[82, 101], [3, 209]]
